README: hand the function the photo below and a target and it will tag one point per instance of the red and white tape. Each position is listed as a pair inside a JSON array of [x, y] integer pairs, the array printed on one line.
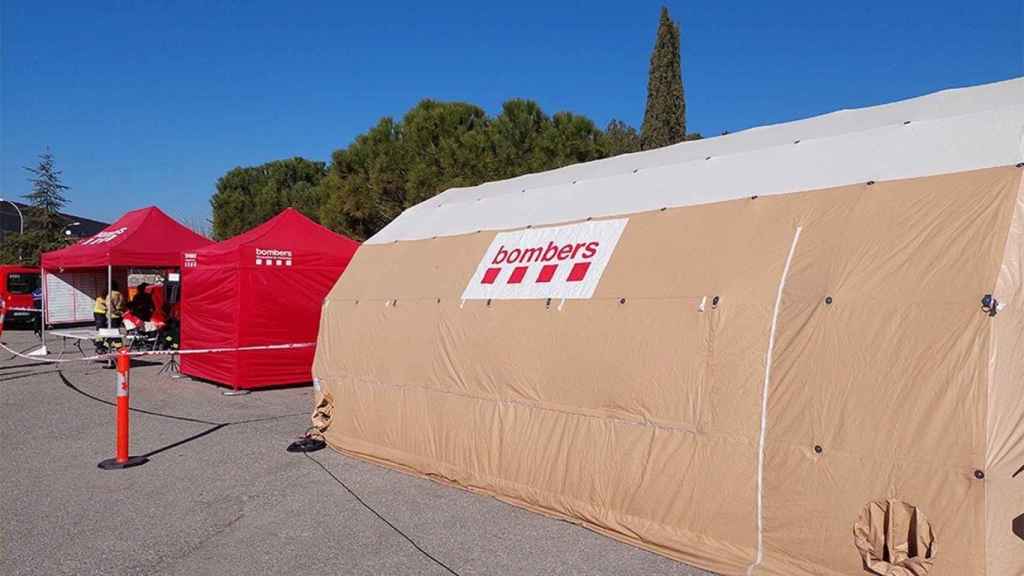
[[112, 355]]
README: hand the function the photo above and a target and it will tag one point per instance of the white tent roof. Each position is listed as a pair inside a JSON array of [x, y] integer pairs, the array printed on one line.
[[944, 132]]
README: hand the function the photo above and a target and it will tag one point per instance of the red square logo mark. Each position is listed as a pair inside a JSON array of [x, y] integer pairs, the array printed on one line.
[[518, 273], [491, 275], [547, 272], [579, 271]]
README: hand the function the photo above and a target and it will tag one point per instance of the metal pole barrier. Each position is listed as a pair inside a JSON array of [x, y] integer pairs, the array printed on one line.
[[122, 459]]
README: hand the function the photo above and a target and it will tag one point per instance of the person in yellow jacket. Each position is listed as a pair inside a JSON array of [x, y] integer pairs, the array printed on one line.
[[115, 305], [99, 310], [99, 314]]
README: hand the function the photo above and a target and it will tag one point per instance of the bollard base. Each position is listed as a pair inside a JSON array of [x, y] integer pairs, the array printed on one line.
[[113, 464]]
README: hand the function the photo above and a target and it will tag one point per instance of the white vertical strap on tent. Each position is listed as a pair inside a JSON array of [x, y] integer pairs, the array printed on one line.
[[764, 405]]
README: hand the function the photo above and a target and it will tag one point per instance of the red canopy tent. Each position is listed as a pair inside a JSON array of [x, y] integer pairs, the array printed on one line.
[[143, 238], [262, 287]]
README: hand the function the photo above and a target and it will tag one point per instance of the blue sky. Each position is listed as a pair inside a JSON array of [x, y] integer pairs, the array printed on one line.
[[150, 102]]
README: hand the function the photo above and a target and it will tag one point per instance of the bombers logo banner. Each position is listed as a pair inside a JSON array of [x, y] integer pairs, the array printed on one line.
[[558, 262]]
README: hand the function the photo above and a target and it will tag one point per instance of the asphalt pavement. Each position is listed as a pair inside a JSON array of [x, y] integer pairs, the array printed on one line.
[[220, 495]]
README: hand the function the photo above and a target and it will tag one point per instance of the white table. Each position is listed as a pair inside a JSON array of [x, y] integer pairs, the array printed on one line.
[[79, 335]]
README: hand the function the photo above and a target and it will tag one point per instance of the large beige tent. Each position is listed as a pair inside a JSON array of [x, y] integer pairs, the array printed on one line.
[[763, 353]]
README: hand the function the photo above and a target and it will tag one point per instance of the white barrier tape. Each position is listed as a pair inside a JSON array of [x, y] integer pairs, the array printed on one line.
[[113, 355], [41, 359]]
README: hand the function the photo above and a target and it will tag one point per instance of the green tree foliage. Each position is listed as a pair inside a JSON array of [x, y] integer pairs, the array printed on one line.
[[665, 116], [620, 138], [44, 223], [442, 145], [247, 197], [47, 197], [400, 163], [365, 187]]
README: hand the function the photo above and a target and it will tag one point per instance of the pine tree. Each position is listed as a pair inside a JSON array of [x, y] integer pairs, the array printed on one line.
[[44, 224], [47, 197], [620, 138], [665, 116]]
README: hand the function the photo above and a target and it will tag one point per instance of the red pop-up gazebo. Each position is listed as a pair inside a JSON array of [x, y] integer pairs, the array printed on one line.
[[143, 238], [263, 287]]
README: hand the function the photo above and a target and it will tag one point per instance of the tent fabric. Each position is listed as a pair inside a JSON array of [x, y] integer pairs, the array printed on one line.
[[747, 376], [259, 288], [141, 238], [949, 131]]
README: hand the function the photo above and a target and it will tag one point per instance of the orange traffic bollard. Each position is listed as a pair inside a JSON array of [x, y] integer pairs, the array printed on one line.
[[122, 459]]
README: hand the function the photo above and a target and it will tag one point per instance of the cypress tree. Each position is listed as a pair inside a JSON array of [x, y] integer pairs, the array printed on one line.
[[665, 116]]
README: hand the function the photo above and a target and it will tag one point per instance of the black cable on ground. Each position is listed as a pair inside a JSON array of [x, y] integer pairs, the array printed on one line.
[[382, 518], [139, 410], [8, 376], [218, 425], [173, 416], [29, 365]]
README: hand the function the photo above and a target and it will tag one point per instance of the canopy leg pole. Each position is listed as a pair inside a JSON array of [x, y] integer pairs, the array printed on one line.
[[42, 308], [42, 351], [110, 301]]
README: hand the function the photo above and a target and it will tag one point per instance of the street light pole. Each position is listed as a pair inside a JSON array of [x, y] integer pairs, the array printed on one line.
[[21, 218]]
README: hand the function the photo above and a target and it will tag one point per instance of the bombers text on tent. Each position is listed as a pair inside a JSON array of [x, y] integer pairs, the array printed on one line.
[[273, 257], [552, 252]]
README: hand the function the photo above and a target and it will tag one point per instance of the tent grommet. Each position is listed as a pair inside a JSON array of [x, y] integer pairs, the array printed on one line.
[[714, 302], [871, 182], [828, 300], [979, 474], [818, 449], [622, 300]]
